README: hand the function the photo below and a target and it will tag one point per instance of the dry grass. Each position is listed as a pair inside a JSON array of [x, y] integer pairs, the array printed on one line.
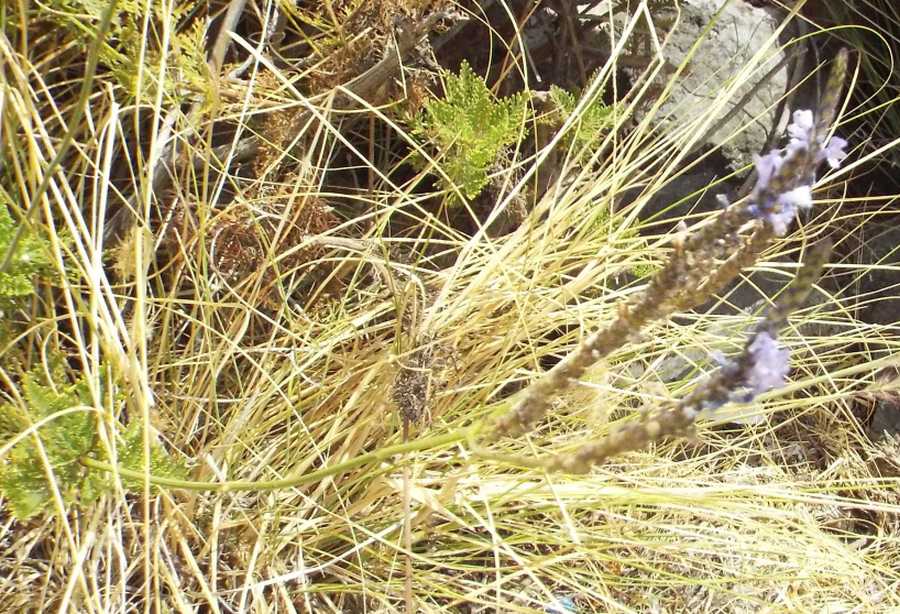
[[280, 354]]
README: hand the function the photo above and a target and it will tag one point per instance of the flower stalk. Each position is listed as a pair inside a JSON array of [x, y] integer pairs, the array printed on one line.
[[761, 366], [783, 187]]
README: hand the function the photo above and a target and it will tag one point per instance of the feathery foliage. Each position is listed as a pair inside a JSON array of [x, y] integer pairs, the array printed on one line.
[[470, 129], [62, 430], [30, 259], [24, 474], [592, 123], [127, 48]]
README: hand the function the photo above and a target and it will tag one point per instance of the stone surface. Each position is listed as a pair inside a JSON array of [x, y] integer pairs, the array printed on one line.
[[881, 284], [738, 33]]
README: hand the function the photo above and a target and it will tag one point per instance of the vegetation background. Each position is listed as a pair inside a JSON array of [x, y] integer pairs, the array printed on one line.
[[264, 264]]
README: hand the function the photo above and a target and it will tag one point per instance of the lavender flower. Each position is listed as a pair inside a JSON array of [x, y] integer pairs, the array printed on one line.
[[768, 364], [801, 130], [834, 151], [766, 167], [800, 197], [784, 175], [761, 367], [779, 220], [789, 203]]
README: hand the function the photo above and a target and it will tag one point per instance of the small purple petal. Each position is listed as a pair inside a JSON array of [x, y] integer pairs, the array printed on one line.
[[781, 220], [834, 151], [770, 364], [766, 167], [802, 125], [800, 130]]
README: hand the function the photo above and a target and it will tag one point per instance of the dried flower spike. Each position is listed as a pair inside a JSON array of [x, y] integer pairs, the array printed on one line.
[[783, 186], [762, 365]]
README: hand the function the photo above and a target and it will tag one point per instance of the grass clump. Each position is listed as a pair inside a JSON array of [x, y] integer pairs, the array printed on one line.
[[285, 284]]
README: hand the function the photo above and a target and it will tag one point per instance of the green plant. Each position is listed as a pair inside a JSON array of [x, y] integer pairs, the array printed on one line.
[[64, 432], [596, 117], [470, 129], [300, 496], [135, 62], [30, 258], [701, 264]]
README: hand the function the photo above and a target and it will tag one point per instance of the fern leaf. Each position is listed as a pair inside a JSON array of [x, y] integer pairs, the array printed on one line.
[[470, 129], [131, 456]]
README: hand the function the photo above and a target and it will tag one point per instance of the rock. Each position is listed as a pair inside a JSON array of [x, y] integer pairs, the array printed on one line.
[[738, 33], [879, 284]]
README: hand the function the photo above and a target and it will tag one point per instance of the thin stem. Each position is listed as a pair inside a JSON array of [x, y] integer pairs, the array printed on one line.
[[331, 471]]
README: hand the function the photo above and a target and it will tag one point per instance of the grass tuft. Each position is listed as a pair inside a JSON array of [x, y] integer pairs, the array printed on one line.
[[252, 287]]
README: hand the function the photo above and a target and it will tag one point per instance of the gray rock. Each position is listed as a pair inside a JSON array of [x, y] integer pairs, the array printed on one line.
[[738, 33]]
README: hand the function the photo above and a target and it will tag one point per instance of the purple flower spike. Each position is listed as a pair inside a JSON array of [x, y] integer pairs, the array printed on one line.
[[766, 167], [769, 364], [778, 209]]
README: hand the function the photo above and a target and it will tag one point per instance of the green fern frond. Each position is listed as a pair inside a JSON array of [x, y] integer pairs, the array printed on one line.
[[122, 52], [594, 120], [470, 129], [131, 456], [30, 259], [64, 440], [23, 474], [185, 62]]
